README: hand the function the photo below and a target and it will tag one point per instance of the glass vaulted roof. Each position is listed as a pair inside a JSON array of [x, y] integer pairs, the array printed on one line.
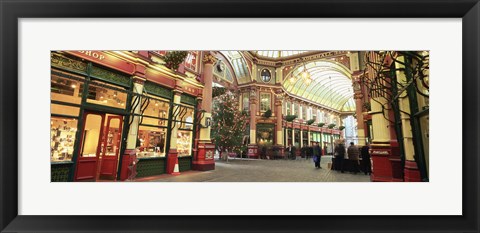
[[278, 53], [239, 65], [331, 85]]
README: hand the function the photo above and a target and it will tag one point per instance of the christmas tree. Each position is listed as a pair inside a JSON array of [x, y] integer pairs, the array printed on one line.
[[229, 123]]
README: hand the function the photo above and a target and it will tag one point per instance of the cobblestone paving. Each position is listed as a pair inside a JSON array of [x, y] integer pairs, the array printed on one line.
[[237, 170]]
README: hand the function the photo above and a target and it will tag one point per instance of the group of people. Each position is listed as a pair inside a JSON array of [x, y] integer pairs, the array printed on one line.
[[341, 153], [313, 151], [353, 154]]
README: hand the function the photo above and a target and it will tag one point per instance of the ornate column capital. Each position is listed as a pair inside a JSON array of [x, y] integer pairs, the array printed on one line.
[[177, 90], [278, 102], [209, 59], [139, 80]]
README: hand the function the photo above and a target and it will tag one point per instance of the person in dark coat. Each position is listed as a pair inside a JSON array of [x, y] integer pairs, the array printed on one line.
[[366, 163], [317, 155], [339, 153], [263, 154], [291, 151], [353, 155]]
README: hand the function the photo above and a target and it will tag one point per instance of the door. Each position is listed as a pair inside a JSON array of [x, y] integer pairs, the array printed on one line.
[[112, 135], [91, 140]]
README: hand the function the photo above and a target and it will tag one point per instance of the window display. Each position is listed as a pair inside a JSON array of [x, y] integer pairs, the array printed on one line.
[[66, 88], [184, 143], [107, 95], [62, 134], [152, 142]]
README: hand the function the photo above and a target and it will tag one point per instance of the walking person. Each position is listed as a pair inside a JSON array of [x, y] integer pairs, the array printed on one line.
[[339, 153], [317, 155], [366, 163], [353, 154]]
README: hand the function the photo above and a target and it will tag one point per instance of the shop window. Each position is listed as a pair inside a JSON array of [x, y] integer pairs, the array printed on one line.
[[187, 119], [66, 88], [265, 134], [151, 141], [58, 109], [265, 101], [62, 135], [156, 113], [106, 95], [305, 138], [297, 138], [185, 132], [184, 142]]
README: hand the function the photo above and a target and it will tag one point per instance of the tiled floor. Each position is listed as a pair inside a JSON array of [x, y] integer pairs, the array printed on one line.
[[236, 170]]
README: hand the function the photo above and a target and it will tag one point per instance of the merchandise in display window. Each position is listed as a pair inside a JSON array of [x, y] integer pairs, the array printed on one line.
[[66, 89], [187, 119], [62, 133], [152, 132], [184, 143], [107, 95], [64, 110], [156, 113], [152, 142]]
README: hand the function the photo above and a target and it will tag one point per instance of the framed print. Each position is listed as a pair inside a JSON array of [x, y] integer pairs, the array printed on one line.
[[239, 116]]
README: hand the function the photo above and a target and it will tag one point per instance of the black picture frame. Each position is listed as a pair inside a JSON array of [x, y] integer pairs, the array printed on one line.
[[11, 11]]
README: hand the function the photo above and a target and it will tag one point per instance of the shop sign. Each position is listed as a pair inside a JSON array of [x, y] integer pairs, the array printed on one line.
[[190, 90], [191, 60], [105, 60], [93, 54]]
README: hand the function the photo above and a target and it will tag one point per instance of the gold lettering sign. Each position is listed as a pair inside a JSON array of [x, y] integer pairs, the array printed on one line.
[[93, 54]]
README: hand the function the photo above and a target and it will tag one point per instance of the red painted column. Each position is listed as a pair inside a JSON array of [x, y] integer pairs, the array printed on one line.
[[205, 149]]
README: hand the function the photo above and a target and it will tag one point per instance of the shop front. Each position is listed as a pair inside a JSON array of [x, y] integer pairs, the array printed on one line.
[[88, 106], [92, 115]]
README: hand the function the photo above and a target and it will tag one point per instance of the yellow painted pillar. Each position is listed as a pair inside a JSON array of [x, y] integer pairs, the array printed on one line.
[[301, 137], [279, 128], [381, 133], [138, 83], [173, 138], [404, 110]]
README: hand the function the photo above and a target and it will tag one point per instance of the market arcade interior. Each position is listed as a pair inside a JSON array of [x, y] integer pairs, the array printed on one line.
[[120, 115]]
